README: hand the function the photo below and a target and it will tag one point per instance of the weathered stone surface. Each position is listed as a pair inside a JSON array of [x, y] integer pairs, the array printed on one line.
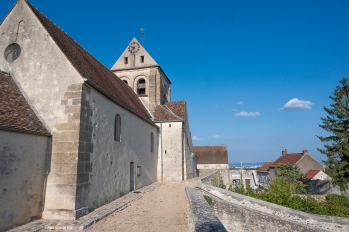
[[203, 216], [241, 213]]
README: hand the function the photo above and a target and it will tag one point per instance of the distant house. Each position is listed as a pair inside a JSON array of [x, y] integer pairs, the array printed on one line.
[[211, 157], [317, 182], [263, 174], [303, 161]]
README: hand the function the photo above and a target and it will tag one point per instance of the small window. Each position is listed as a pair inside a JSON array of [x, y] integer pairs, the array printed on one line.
[[169, 125], [151, 142], [125, 60], [138, 170], [142, 59], [117, 128], [141, 86], [165, 151], [125, 82]]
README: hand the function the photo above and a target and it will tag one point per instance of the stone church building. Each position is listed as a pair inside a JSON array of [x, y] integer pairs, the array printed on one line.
[[75, 135]]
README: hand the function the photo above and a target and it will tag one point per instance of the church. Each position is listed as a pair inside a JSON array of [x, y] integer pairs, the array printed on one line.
[[75, 135]]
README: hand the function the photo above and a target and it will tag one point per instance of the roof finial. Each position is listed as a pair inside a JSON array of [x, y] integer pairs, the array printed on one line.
[[142, 34]]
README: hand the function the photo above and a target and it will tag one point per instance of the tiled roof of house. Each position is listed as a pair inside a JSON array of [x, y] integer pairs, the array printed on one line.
[[211, 154], [171, 111], [15, 112], [309, 175], [288, 159], [90, 68], [265, 167]]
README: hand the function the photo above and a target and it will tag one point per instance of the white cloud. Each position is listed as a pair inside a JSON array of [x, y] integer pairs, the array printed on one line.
[[196, 138], [297, 104], [216, 137], [247, 114], [240, 103], [235, 110]]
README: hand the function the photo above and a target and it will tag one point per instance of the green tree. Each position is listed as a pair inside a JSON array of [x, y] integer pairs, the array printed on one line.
[[288, 181], [336, 145]]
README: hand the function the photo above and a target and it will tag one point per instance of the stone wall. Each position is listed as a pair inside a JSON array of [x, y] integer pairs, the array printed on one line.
[[201, 215], [241, 213], [105, 167], [22, 177]]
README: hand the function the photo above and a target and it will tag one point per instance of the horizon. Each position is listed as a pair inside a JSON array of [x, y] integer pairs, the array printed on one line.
[[255, 75]]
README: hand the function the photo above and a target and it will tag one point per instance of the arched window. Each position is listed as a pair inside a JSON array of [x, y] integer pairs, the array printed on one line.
[[125, 82], [141, 86], [151, 142], [117, 128]]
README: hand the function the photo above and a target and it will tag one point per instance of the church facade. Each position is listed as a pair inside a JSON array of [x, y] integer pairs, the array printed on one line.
[[75, 135]]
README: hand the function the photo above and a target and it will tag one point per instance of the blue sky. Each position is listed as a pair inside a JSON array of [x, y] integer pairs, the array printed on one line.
[[236, 63]]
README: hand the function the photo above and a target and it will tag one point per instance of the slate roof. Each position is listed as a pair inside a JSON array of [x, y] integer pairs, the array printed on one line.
[[171, 111], [288, 159], [211, 154], [15, 112], [90, 68], [265, 167], [309, 175]]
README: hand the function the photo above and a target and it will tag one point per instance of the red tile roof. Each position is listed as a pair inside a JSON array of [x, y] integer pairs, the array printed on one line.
[[309, 175], [90, 68], [211, 154], [171, 111], [288, 159], [265, 167], [15, 112]]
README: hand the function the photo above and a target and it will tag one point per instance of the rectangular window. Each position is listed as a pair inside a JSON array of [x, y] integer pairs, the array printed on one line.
[[169, 125], [142, 59], [138, 170], [125, 60]]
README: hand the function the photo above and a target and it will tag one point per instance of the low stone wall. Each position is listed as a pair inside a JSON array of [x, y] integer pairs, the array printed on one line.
[[241, 213], [201, 215], [205, 172]]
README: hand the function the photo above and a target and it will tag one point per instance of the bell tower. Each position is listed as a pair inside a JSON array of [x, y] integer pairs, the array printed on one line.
[[140, 72]]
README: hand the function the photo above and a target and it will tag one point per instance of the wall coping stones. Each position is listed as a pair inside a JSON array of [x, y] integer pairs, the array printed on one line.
[[203, 217]]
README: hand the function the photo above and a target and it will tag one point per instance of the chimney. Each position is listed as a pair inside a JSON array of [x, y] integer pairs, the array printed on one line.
[[284, 152], [305, 151]]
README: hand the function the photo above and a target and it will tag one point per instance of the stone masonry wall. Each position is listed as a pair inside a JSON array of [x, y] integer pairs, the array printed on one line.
[[241, 213]]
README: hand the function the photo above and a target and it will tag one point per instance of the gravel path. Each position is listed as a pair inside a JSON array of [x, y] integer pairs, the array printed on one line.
[[164, 209]]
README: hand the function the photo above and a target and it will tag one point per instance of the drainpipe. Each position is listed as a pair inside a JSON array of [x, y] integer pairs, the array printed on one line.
[[162, 163]]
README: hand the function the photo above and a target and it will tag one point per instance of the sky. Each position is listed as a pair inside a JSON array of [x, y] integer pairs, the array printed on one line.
[[255, 74]]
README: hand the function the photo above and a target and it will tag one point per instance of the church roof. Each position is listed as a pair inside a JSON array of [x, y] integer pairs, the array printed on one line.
[[15, 112], [211, 154], [94, 71], [171, 111]]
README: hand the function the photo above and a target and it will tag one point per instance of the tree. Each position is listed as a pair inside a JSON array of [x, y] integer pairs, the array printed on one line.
[[336, 145], [288, 181]]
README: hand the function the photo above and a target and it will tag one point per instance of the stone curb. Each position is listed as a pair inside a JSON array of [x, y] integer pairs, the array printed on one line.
[[89, 219], [204, 219]]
